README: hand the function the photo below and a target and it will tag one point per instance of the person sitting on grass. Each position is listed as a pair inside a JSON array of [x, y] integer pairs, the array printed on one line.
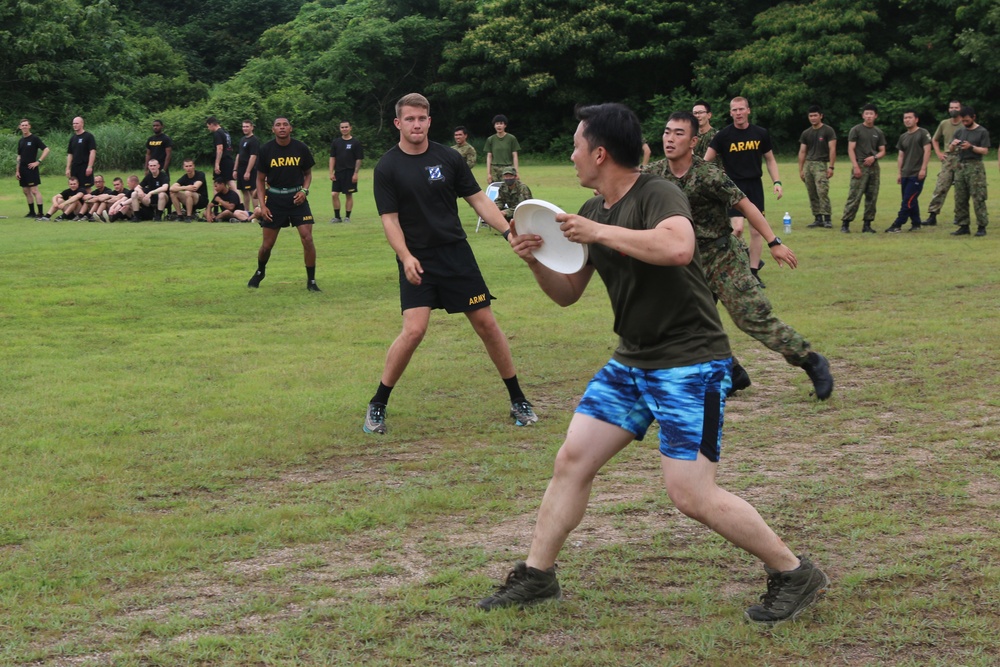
[[150, 196], [120, 206], [226, 204], [67, 201], [190, 193], [91, 202]]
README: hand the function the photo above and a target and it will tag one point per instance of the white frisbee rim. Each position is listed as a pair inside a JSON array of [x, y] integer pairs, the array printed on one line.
[[557, 252]]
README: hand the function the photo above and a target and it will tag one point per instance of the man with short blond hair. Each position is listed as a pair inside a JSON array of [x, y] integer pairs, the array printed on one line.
[[416, 184]]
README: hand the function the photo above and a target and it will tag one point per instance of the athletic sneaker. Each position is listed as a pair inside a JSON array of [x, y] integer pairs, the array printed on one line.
[[524, 586], [522, 413], [312, 286], [256, 278], [788, 593], [818, 370], [105, 217], [375, 419], [347, 219], [335, 220], [43, 218]]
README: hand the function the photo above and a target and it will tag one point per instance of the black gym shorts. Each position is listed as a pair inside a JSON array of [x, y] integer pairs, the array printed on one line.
[[451, 280], [284, 212], [343, 181]]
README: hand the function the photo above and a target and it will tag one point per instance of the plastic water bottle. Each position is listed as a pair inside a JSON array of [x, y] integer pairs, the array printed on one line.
[[788, 223]]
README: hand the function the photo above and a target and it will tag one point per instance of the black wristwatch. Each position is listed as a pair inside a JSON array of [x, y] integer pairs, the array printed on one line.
[[775, 242]]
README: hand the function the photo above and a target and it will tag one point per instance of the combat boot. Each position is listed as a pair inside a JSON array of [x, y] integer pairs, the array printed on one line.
[[931, 220], [827, 224], [845, 227], [981, 231], [963, 230], [818, 222], [867, 229]]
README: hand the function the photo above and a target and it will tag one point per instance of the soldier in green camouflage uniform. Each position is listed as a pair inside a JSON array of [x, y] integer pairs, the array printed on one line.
[[865, 147], [703, 113], [941, 143], [511, 193], [724, 257], [464, 148], [817, 156], [972, 142]]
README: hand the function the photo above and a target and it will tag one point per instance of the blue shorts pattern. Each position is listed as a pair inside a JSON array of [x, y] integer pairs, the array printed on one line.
[[688, 402]]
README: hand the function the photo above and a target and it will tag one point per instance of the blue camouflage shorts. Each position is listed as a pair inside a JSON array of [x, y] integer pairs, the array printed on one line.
[[688, 402]]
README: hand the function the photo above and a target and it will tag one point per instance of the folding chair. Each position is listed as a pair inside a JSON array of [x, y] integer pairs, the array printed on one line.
[[492, 190]]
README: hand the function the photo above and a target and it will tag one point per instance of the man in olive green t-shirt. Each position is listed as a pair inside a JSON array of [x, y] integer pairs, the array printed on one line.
[[817, 155], [501, 150], [865, 147], [914, 148], [971, 142]]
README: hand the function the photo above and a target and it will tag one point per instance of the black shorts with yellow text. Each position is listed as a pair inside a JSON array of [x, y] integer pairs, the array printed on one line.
[[285, 213], [451, 280]]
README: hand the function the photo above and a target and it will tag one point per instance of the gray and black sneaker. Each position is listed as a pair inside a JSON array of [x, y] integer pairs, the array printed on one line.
[[818, 369], [523, 587], [522, 413], [375, 419], [788, 593]]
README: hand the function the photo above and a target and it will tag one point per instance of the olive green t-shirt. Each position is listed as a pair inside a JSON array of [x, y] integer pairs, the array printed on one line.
[[945, 133], [912, 145], [978, 137], [867, 141], [817, 142], [503, 149], [665, 316]]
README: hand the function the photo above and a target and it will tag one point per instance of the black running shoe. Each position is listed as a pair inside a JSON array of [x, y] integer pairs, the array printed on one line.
[[255, 280], [788, 593], [524, 586], [312, 286]]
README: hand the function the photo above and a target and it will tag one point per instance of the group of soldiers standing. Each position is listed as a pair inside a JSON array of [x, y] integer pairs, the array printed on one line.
[[959, 143]]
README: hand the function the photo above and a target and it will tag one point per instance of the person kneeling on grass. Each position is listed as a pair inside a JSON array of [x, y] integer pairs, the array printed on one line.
[[673, 364], [226, 204]]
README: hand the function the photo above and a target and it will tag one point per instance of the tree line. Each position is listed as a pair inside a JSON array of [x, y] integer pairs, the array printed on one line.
[[129, 61]]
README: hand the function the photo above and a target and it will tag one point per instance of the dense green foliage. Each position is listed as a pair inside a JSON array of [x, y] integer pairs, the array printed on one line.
[[534, 60]]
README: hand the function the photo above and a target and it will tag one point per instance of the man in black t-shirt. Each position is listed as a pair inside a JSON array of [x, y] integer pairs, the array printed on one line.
[[245, 168], [346, 154], [226, 204], [190, 193], [67, 201], [121, 203], [741, 146], [159, 147], [26, 171], [223, 150], [90, 203], [81, 155], [284, 174], [151, 195], [416, 185]]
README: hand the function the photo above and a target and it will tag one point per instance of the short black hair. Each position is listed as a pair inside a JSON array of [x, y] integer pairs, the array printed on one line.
[[869, 107], [815, 108], [615, 127], [913, 111], [967, 111], [211, 120], [499, 118], [701, 103], [460, 128], [686, 116]]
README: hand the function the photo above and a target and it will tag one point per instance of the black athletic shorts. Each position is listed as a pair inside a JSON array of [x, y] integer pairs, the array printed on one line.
[[146, 212], [80, 171], [30, 178], [284, 212], [201, 203], [343, 181], [451, 280], [244, 184], [226, 166], [754, 190]]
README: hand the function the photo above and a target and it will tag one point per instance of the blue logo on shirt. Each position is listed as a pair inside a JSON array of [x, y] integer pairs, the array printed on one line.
[[434, 173]]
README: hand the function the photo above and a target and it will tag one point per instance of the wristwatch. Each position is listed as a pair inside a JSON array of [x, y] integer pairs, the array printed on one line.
[[775, 242], [305, 191]]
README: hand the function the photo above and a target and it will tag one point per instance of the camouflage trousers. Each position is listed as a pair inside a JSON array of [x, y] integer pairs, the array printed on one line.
[[818, 186], [866, 186], [726, 264], [944, 180], [970, 181]]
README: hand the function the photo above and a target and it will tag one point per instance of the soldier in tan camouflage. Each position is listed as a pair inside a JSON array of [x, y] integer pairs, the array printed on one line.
[[467, 150], [724, 257], [941, 143], [511, 193]]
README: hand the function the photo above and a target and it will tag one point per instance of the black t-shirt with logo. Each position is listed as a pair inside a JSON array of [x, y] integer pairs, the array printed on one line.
[[285, 166], [741, 151], [422, 190], [28, 148], [80, 146], [157, 146]]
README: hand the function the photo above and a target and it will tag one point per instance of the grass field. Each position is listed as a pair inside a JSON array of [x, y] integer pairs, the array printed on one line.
[[187, 481]]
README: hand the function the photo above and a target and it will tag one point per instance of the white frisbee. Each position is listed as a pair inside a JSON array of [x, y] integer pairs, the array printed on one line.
[[535, 216]]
